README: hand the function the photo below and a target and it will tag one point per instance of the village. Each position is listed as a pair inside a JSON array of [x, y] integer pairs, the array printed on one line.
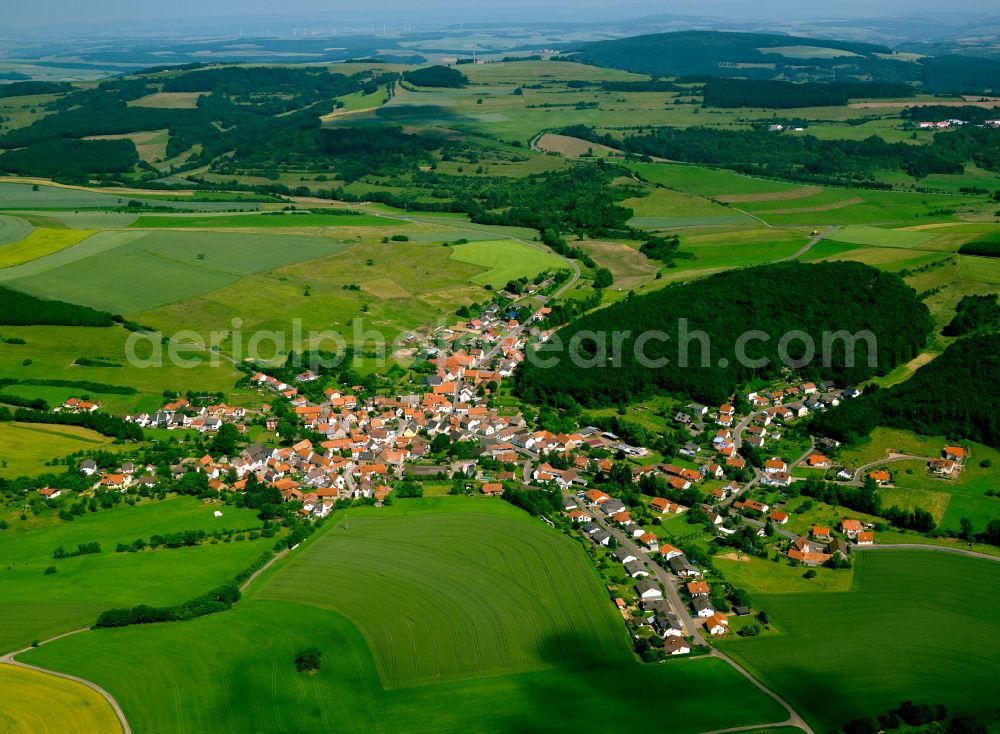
[[450, 428]]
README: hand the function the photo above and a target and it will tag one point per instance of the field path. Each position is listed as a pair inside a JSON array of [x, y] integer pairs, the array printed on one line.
[[809, 245], [259, 571], [794, 719], [8, 659]]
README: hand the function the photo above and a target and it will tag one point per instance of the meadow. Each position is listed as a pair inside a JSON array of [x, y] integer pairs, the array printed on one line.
[[486, 610], [34, 605], [43, 196], [13, 229], [45, 704], [868, 649], [506, 260], [25, 448]]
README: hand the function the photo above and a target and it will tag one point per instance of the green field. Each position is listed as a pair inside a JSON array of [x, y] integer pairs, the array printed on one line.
[[25, 448], [13, 229], [496, 624], [260, 221], [24, 196], [868, 649], [465, 617], [45, 704], [506, 260], [171, 266], [35, 606]]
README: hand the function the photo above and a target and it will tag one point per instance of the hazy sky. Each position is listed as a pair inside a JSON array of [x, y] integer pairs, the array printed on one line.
[[44, 12]]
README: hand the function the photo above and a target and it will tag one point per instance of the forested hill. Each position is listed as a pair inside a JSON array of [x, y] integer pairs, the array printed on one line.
[[775, 299], [955, 395], [766, 56]]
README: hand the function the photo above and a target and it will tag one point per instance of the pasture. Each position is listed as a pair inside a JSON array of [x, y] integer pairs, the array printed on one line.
[[51, 353], [25, 448], [868, 649], [46, 704], [506, 260], [35, 606], [495, 622]]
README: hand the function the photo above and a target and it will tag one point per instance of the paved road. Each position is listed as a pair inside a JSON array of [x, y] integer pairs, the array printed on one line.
[[8, 659], [918, 546], [891, 458]]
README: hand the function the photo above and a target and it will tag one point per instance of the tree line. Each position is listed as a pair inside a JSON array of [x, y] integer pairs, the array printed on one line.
[[731, 93]]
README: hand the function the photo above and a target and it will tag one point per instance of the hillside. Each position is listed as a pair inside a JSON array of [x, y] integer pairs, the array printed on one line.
[[954, 395], [770, 56], [774, 299]]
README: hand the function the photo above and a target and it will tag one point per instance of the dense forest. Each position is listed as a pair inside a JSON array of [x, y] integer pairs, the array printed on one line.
[[703, 54], [256, 116], [20, 309], [988, 246], [436, 76], [975, 313], [780, 94], [774, 299], [75, 159], [26, 88], [955, 395], [805, 157]]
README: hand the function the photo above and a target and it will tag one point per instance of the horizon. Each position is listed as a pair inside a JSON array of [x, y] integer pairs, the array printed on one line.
[[39, 15]]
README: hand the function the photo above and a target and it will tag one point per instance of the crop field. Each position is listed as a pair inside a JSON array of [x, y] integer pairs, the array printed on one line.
[[500, 595], [506, 260], [26, 447], [34, 605], [401, 285], [40, 243], [878, 237], [515, 661], [171, 266], [261, 221], [46, 704], [629, 267], [43, 196], [13, 229], [868, 649]]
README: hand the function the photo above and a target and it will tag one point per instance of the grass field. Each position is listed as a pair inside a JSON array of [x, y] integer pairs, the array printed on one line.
[[506, 260], [41, 197], [51, 351], [40, 243], [26, 447], [868, 649], [767, 577], [46, 704], [35, 606], [515, 665]]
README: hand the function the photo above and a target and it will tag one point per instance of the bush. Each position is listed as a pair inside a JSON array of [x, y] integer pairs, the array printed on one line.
[[50, 570], [309, 660]]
